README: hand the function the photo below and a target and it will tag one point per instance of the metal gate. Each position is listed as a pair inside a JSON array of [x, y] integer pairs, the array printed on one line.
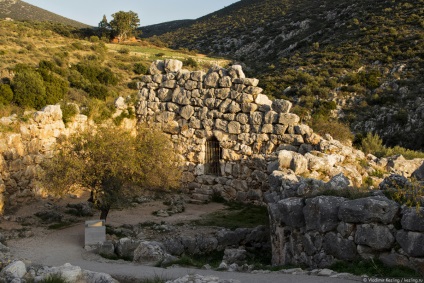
[[213, 155]]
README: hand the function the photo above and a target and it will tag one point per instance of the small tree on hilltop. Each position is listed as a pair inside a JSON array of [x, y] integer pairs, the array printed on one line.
[[124, 24], [104, 28], [115, 165]]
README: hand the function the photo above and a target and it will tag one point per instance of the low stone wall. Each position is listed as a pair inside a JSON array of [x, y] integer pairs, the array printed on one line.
[[321, 230]]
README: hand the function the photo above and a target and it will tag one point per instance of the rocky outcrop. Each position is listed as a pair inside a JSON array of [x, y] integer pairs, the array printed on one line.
[[18, 271]]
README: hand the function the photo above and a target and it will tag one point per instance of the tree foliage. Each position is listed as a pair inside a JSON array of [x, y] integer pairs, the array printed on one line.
[[113, 164], [104, 28], [124, 24], [28, 87], [6, 94]]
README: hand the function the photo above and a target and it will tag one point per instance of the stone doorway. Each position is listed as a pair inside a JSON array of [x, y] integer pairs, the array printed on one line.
[[213, 156]]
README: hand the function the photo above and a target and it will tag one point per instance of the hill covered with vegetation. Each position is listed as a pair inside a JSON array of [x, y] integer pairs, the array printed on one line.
[[356, 62], [22, 11], [39, 65]]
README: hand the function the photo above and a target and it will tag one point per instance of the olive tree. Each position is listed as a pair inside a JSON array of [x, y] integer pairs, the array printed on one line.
[[124, 24], [113, 164]]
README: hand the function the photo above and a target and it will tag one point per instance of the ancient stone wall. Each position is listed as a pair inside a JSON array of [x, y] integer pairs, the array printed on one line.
[[22, 151], [222, 104], [318, 231]]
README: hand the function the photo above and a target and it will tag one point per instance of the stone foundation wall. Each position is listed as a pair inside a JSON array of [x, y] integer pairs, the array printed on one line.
[[222, 104], [321, 230]]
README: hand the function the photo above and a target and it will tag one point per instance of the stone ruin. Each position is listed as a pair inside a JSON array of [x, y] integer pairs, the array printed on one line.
[[222, 126], [235, 142]]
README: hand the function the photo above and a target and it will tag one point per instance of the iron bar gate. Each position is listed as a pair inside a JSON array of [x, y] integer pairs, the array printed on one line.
[[213, 155]]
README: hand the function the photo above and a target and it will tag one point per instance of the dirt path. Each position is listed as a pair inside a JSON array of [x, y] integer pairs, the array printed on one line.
[[57, 247]]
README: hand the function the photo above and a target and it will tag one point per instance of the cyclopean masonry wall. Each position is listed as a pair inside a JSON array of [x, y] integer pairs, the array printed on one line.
[[222, 104], [22, 151], [318, 231]]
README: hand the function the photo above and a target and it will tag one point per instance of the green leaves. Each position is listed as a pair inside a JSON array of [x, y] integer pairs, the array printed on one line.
[[113, 163]]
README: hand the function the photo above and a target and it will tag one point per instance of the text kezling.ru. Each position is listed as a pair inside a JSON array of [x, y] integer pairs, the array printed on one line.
[[393, 280]]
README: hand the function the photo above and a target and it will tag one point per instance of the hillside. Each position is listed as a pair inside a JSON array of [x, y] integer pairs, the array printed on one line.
[[22, 11], [159, 29], [39, 66], [359, 61]]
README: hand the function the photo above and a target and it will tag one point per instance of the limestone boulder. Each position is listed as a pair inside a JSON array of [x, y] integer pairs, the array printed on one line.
[[338, 182], [419, 173], [186, 112], [211, 79], [97, 277], [157, 67], [16, 269], [339, 247], [413, 219], [262, 99], [236, 71], [399, 165], [125, 248], [235, 256], [376, 236], [106, 249], [149, 252], [321, 213], [281, 106], [367, 210], [411, 242], [394, 182], [172, 65], [291, 212]]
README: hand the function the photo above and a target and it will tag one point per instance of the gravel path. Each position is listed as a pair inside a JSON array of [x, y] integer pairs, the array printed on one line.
[[66, 246]]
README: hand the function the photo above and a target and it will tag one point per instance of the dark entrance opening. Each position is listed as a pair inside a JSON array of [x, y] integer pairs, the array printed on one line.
[[213, 155]]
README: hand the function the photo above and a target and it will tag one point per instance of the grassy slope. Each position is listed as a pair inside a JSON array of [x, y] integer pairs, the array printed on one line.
[[29, 43], [318, 47]]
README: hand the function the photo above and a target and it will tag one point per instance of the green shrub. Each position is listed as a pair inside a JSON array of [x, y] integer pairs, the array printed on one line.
[[28, 87], [56, 87], [190, 62], [94, 38], [160, 54], [373, 144], [6, 94], [69, 110], [98, 91], [124, 50], [133, 85], [140, 69], [337, 130]]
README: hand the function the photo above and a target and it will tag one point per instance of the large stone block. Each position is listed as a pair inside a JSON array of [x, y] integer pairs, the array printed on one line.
[[157, 67], [186, 112], [338, 247], [321, 213], [288, 119], [367, 210], [291, 210], [411, 242], [172, 65], [412, 219], [378, 237], [281, 106], [211, 79]]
